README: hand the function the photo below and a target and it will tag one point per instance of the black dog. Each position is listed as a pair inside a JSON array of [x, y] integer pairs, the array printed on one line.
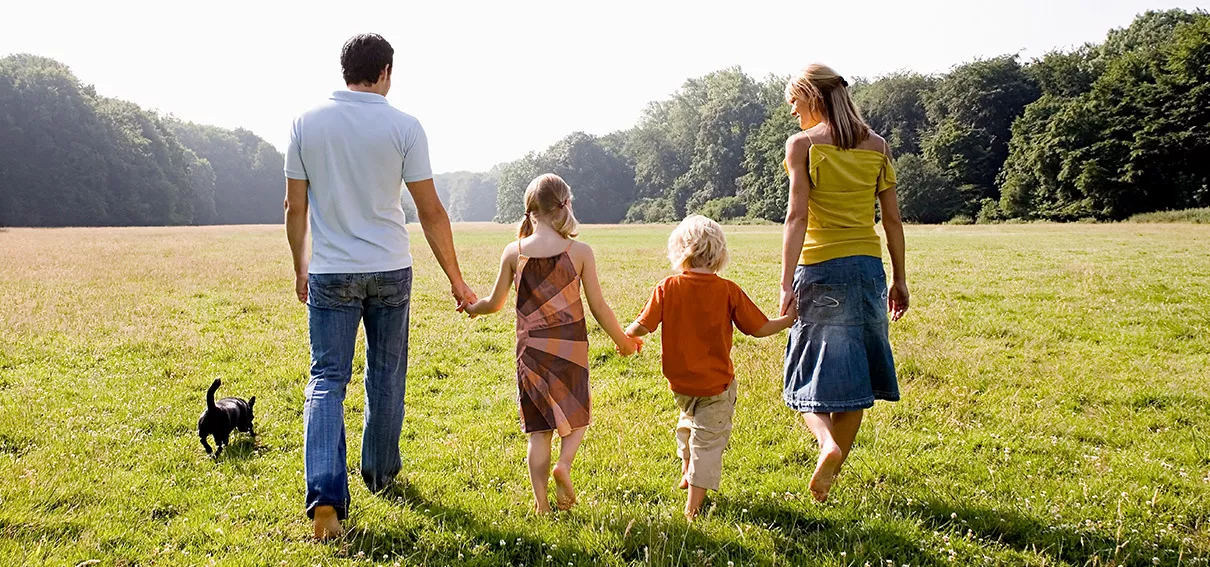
[[222, 416]]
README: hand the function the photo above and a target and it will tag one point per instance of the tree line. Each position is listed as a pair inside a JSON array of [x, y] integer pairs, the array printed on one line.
[[1103, 131], [70, 157]]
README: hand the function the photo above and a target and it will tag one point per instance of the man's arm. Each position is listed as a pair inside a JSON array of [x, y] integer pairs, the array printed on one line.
[[296, 232], [437, 231]]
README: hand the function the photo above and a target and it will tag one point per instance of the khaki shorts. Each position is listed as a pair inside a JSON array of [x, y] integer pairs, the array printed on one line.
[[702, 433]]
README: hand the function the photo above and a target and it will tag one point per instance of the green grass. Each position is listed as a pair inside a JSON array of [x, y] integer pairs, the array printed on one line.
[[1055, 412], [1197, 216]]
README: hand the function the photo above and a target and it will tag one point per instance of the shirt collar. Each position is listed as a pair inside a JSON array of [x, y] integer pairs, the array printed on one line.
[[357, 96]]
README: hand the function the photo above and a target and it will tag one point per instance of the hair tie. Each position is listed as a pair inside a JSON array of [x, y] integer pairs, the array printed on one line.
[[843, 82]]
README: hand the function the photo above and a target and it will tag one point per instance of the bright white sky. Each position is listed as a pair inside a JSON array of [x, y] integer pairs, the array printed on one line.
[[492, 80]]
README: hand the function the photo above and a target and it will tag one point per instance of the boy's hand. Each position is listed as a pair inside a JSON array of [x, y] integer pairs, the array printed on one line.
[[792, 311], [630, 347]]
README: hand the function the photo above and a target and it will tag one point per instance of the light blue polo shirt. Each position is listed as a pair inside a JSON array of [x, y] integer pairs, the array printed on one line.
[[354, 150]]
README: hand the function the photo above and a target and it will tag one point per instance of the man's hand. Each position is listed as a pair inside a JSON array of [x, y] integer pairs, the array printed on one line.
[[300, 287], [463, 294]]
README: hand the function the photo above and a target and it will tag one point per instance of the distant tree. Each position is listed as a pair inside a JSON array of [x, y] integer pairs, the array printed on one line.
[[971, 111], [248, 179], [925, 194], [894, 107]]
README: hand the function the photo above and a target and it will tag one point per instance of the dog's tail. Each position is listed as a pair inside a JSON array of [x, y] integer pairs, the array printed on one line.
[[210, 393]]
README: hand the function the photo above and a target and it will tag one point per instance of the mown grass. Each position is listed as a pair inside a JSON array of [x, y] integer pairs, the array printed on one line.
[[1055, 412]]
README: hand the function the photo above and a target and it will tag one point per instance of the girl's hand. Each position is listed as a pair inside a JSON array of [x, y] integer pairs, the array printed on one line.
[[633, 345], [897, 299]]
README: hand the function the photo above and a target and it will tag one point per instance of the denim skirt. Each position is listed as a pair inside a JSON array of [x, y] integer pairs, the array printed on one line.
[[839, 354]]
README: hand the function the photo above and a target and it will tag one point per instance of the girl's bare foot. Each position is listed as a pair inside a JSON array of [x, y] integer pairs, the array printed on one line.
[[565, 493], [830, 457], [541, 508], [326, 524]]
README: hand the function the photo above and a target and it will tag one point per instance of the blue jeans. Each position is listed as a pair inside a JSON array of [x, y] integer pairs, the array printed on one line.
[[336, 305]]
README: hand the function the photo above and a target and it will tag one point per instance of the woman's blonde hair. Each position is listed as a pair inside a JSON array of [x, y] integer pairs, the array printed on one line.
[[697, 242], [827, 93], [548, 197]]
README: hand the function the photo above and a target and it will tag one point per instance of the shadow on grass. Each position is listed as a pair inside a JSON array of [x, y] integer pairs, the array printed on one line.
[[804, 536], [1027, 534], [463, 540]]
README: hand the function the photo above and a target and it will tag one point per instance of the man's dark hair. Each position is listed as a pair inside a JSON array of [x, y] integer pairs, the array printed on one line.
[[363, 58]]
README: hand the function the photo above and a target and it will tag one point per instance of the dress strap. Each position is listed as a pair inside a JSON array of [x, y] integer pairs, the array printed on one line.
[[569, 244]]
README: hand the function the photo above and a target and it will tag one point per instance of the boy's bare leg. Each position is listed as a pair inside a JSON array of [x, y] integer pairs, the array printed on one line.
[[326, 524], [565, 493], [684, 474], [830, 454], [538, 459], [693, 504]]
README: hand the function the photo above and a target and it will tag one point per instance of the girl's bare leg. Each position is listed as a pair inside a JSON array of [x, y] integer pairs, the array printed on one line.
[[538, 458], [565, 493]]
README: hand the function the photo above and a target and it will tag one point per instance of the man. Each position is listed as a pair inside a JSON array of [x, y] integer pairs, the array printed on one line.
[[344, 166]]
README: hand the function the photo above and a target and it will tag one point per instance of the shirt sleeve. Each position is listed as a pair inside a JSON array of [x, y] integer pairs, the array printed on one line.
[[294, 162], [746, 315], [416, 156], [653, 312], [886, 178]]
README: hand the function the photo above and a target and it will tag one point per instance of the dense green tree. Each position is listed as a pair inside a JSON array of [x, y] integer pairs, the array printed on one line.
[[249, 184], [925, 194], [894, 107], [972, 110], [470, 196]]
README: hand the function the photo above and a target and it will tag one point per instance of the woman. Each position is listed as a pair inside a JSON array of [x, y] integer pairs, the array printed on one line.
[[838, 360]]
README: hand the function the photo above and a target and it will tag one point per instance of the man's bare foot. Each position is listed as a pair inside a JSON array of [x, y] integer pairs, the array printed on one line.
[[830, 457], [565, 493], [326, 523]]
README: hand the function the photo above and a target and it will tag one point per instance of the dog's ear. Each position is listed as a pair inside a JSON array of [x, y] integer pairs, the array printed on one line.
[[251, 402]]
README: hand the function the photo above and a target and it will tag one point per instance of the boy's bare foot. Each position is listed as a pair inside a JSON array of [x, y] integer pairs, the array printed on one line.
[[326, 523], [565, 493], [684, 484], [690, 515], [830, 457], [684, 475]]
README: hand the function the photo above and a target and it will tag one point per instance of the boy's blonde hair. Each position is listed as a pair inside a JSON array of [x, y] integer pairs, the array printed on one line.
[[549, 197], [827, 93], [697, 242]]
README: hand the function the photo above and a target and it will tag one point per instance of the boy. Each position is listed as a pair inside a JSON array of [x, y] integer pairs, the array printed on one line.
[[697, 308]]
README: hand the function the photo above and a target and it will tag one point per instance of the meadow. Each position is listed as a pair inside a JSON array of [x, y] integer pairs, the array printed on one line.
[[1055, 411]]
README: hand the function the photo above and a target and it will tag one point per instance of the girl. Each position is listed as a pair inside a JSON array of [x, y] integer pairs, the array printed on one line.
[[832, 267], [547, 268]]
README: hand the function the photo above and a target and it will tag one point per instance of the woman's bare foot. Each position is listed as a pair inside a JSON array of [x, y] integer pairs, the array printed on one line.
[[326, 523], [830, 458], [565, 493]]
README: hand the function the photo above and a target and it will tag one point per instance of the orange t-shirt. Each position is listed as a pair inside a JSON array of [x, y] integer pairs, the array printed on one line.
[[697, 311]]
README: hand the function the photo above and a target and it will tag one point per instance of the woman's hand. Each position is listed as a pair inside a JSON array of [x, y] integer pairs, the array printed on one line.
[[788, 299], [897, 299]]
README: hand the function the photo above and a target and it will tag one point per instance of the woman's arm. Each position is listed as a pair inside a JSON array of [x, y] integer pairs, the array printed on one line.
[[600, 310], [797, 148], [897, 295], [504, 280]]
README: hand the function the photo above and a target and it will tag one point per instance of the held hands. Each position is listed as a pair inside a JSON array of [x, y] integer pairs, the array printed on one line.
[[788, 302], [897, 299], [633, 345], [464, 295]]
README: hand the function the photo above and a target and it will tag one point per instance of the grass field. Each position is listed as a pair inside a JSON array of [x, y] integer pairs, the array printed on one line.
[[1055, 411]]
